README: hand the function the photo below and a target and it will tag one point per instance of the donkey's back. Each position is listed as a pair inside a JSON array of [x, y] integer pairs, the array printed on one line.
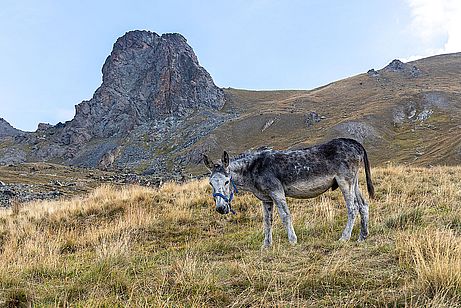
[[309, 172]]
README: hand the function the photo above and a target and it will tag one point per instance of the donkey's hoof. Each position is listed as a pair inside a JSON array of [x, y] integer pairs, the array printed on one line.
[[361, 238], [265, 246], [344, 239], [293, 239]]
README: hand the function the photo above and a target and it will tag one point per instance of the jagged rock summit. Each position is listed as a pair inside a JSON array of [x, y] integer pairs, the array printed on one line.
[[6, 130], [146, 77], [398, 66], [154, 99]]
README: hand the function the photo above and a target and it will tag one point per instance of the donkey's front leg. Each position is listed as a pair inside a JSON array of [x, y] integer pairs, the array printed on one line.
[[285, 215], [268, 206]]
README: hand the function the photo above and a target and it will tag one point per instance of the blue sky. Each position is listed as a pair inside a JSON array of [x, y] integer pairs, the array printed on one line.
[[51, 52]]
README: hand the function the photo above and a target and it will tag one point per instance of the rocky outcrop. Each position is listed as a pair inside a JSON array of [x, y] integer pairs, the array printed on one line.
[[6, 130], [359, 131], [437, 99], [9, 151], [146, 77], [12, 155], [43, 127], [421, 107], [22, 193], [108, 159], [268, 124], [397, 66], [312, 117], [372, 73], [155, 99]]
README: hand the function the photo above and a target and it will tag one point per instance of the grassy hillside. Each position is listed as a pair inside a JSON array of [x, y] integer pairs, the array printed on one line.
[[365, 107], [139, 246]]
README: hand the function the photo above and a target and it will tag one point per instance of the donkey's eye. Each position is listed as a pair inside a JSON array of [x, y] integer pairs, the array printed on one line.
[[227, 182]]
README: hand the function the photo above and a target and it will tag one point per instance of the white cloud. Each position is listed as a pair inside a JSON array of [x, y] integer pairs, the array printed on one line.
[[437, 25]]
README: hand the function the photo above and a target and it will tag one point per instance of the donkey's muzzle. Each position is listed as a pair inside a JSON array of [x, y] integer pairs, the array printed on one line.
[[222, 209]]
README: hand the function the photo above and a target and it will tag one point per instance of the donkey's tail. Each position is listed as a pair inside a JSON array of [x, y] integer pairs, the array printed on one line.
[[370, 187]]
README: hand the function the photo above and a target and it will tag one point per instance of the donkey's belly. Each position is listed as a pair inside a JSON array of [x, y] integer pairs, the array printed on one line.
[[308, 189]]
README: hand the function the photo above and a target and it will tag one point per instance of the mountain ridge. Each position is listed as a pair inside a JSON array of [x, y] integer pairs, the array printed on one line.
[[7, 130]]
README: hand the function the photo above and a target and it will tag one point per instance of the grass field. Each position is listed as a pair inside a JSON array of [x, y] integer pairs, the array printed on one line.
[[139, 246]]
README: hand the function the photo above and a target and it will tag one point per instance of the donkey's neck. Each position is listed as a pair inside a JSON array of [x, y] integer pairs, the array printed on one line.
[[238, 172]]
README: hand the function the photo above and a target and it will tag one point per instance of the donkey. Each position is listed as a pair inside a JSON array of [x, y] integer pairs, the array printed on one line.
[[305, 173]]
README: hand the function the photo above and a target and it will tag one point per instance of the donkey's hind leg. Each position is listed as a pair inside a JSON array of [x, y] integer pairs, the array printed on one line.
[[347, 187], [363, 210]]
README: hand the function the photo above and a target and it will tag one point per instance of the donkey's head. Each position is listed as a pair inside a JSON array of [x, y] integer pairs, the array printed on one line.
[[221, 183]]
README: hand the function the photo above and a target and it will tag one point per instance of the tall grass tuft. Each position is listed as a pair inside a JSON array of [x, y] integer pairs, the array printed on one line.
[[435, 256]]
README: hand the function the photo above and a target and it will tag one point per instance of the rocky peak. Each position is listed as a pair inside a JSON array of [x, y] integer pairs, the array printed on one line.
[[398, 66], [372, 73], [6, 130], [43, 127], [139, 39], [146, 77], [135, 40]]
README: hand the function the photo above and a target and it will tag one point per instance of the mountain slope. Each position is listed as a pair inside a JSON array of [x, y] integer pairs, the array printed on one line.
[[404, 113], [158, 110]]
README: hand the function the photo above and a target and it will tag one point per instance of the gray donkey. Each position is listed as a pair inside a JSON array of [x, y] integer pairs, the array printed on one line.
[[306, 173]]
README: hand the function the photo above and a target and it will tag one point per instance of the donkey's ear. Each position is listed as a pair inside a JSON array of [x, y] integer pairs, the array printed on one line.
[[208, 163], [225, 160]]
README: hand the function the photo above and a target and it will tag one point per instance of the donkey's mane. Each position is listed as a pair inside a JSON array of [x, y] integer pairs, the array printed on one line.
[[251, 153]]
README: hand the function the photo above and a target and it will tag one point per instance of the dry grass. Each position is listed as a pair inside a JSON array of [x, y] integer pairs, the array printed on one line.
[[435, 256], [138, 246]]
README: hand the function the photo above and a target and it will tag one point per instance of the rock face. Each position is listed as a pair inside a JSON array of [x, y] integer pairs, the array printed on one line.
[[312, 118], [146, 77], [6, 130], [372, 73], [357, 130]]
